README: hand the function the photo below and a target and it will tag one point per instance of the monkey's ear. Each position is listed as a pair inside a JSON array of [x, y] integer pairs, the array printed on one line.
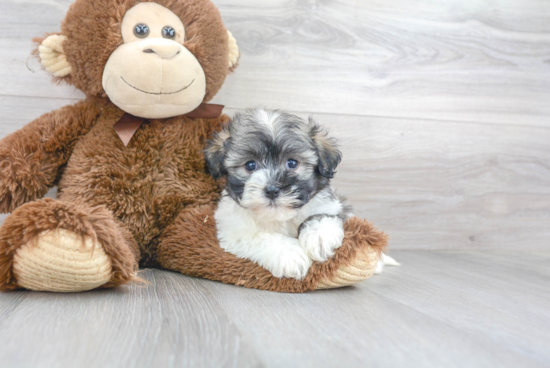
[[215, 153], [234, 53], [327, 151], [53, 57]]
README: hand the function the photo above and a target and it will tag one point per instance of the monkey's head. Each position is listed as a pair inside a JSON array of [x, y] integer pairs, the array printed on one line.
[[153, 59]]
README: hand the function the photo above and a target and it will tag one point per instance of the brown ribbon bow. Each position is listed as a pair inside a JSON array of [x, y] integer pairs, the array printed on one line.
[[128, 125]]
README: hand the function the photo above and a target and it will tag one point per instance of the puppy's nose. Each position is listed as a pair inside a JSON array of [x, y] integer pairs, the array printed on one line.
[[272, 192], [166, 49]]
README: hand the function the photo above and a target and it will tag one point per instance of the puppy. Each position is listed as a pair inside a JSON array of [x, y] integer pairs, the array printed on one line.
[[278, 209]]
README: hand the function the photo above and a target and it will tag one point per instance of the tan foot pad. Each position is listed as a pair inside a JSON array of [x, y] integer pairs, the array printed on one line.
[[359, 270], [61, 261]]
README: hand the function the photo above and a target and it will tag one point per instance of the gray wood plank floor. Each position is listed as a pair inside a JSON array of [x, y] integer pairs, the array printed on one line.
[[440, 309], [473, 61]]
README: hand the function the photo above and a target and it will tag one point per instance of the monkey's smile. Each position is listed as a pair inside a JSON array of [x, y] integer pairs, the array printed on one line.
[[159, 93]]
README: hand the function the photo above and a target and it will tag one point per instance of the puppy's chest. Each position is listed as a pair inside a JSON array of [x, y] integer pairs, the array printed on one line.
[[287, 228]]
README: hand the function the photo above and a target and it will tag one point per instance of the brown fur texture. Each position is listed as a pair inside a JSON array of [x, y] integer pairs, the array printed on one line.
[[199, 254], [146, 184], [151, 202], [32, 159]]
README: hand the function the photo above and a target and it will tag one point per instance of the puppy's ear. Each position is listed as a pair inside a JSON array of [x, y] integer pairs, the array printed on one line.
[[327, 151], [215, 153]]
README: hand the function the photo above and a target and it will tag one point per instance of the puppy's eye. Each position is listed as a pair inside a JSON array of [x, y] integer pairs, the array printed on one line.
[[251, 166], [291, 164], [168, 32], [141, 30]]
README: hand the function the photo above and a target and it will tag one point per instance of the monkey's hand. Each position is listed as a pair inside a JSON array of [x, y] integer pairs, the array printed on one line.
[[23, 178]]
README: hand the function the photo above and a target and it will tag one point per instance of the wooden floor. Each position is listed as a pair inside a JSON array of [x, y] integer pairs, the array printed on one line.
[[440, 309], [442, 109]]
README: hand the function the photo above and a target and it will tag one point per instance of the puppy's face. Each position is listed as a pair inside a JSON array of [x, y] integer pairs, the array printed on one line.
[[274, 162]]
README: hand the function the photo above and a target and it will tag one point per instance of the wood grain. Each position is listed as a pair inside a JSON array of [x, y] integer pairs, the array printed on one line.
[[440, 309], [172, 323], [446, 185], [453, 60], [430, 312]]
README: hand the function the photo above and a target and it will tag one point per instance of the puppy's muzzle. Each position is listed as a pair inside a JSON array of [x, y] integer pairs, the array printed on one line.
[[272, 192]]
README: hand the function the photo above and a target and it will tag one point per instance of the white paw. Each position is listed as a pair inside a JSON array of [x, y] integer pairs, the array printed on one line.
[[292, 261], [320, 238]]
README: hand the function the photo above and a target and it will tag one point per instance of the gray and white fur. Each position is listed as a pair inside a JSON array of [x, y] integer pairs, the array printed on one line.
[[278, 208]]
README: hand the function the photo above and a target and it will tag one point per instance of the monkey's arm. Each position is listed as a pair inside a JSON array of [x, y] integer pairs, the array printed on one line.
[[190, 246], [32, 158]]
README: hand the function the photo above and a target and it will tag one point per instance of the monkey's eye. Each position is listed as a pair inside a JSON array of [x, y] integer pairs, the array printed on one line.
[[141, 30], [168, 32], [291, 164], [251, 166]]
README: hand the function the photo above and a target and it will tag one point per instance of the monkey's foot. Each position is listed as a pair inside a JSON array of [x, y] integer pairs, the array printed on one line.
[[355, 260], [61, 261], [357, 270], [51, 245]]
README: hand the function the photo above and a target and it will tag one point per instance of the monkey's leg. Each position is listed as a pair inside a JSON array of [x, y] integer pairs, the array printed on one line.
[[190, 246], [50, 245]]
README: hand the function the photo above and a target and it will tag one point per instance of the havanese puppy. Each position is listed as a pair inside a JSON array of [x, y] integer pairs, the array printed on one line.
[[278, 209]]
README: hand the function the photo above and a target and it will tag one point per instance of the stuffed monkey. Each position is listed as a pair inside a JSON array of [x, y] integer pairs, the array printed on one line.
[[133, 189]]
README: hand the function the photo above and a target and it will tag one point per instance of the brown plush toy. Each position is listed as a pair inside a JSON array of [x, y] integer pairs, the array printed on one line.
[[128, 160]]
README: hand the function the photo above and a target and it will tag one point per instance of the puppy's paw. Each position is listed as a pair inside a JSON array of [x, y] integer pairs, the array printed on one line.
[[293, 261], [321, 237]]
